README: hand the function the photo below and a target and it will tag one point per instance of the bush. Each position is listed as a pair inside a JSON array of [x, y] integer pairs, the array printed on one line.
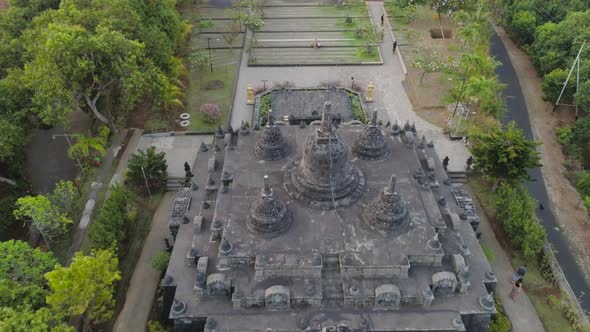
[[516, 212], [147, 165], [357, 109], [581, 131], [582, 97], [583, 183], [111, 227], [160, 261], [500, 324], [264, 108], [211, 112], [154, 326], [564, 135], [553, 83]]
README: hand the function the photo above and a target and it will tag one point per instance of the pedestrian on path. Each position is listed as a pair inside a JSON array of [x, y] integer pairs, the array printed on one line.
[[519, 274], [394, 45], [469, 163], [446, 163], [516, 289], [382, 19]]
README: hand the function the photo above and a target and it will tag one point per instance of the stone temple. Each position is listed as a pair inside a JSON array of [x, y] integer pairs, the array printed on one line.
[[319, 228]]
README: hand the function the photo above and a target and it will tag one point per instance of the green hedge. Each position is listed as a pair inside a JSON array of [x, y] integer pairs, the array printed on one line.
[[111, 227]]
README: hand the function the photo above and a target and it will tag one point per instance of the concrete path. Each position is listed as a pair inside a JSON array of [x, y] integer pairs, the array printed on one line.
[[391, 99], [521, 311], [100, 179], [144, 282]]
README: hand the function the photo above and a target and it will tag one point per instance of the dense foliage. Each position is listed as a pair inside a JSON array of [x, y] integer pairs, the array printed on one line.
[[60, 56], [552, 31], [85, 287], [516, 212], [504, 155], [111, 227], [147, 166]]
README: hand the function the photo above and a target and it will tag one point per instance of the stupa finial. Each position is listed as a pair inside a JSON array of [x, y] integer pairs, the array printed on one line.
[[327, 118], [267, 189], [392, 182], [374, 118]]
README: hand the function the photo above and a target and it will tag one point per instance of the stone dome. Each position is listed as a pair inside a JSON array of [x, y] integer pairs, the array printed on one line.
[[324, 177], [268, 215], [370, 144], [271, 144], [388, 214]]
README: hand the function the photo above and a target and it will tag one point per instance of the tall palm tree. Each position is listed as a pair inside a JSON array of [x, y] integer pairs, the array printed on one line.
[[478, 63], [469, 34], [87, 144], [484, 93], [171, 97]]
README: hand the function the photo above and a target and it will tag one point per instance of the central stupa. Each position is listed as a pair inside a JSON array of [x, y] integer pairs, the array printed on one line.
[[325, 178]]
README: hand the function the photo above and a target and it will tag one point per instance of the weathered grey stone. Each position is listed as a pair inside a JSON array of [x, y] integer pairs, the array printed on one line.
[[269, 216], [325, 177], [370, 144], [388, 213], [271, 144]]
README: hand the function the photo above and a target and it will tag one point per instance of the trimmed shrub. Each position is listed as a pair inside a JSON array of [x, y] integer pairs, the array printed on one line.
[[211, 112], [111, 227]]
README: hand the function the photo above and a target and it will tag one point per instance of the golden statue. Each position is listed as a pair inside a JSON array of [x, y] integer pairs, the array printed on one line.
[[370, 90], [250, 95]]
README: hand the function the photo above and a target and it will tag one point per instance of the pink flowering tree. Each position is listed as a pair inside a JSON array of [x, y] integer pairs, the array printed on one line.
[[211, 112]]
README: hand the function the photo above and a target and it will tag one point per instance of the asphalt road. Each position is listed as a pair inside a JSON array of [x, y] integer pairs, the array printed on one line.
[[516, 110]]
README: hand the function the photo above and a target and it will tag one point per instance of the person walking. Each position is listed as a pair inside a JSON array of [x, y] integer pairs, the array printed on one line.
[[516, 289], [394, 45], [382, 19], [446, 163], [469, 163]]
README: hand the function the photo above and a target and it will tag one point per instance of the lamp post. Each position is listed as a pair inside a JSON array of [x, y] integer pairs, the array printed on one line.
[[459, 96], [264, 84], [209, 49]]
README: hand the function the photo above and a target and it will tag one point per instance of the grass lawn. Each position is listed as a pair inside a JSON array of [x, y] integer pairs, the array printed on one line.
[[363, 56], [220, 82], [345, 10]]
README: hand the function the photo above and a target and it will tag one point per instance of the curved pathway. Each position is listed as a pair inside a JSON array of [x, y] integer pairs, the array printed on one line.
[[517, 111]]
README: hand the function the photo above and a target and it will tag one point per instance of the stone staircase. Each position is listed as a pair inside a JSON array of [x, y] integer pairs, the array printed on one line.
[[174, 183], [332, 292], [457, 177]]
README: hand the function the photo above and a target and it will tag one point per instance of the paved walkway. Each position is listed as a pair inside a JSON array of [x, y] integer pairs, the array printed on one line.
[[521, 311], [144, 282], [100, 180], [390, 97]]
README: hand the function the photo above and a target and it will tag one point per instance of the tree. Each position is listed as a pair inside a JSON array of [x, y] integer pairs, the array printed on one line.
[[582, 97], [111, 227], [553, 83], [171, 97], [44, 216], [469, 35], [76, 60], [26, 319], [583, 183], [23, 264], [234, 30], [63, 196], [85, 287], [516, 212], [147, 165], [429, 62], [581, 132], [11, 140], [505, 155], [86, 145], [485, 93], [252, 22], [522, 26]]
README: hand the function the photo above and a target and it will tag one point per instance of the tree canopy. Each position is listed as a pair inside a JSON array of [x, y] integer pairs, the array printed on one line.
[[505, 155], [85, 287]]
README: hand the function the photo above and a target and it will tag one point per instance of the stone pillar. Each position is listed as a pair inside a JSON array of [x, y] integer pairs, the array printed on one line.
[[250, 95], [370, 91], [168, 293]]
